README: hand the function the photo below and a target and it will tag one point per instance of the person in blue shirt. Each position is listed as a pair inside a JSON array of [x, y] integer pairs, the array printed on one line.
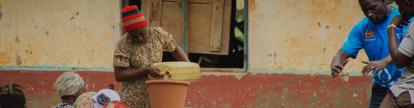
[[371, 35]]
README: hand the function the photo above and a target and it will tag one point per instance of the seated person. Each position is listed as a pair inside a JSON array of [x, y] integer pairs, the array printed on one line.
[[69, 86]]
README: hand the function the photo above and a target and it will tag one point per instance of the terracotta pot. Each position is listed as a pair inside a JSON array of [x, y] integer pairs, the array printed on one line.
[[167, 93]]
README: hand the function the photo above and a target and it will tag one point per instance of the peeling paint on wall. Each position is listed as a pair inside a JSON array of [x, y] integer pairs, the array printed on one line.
[[18, 60], [51, 33], [300, 34]]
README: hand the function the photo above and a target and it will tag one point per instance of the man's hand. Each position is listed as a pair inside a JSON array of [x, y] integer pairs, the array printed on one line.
[[337, 68], [373, 66], [153, 71]]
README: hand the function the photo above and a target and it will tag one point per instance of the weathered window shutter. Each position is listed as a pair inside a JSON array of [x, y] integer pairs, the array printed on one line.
[[208, 23]]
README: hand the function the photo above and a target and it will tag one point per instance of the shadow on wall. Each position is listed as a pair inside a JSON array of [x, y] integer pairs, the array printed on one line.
[[0, 12]]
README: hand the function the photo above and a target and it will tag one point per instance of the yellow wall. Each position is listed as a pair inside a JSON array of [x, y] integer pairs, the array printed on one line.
[[300, 34], [58, 32], [283, 34]]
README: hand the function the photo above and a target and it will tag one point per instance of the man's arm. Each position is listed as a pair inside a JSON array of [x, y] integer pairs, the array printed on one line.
[[350, 48], [338, 62], [123, 74], [398, 58], [179, 54]]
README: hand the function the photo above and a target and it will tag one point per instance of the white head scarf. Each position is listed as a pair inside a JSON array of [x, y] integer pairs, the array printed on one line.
[[69, 83], [105, 96]]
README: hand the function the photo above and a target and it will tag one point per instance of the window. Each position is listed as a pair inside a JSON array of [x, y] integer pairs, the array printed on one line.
[[214, 36]]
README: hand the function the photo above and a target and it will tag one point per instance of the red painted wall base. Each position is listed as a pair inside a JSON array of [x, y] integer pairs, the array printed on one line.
[[219, 90]]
